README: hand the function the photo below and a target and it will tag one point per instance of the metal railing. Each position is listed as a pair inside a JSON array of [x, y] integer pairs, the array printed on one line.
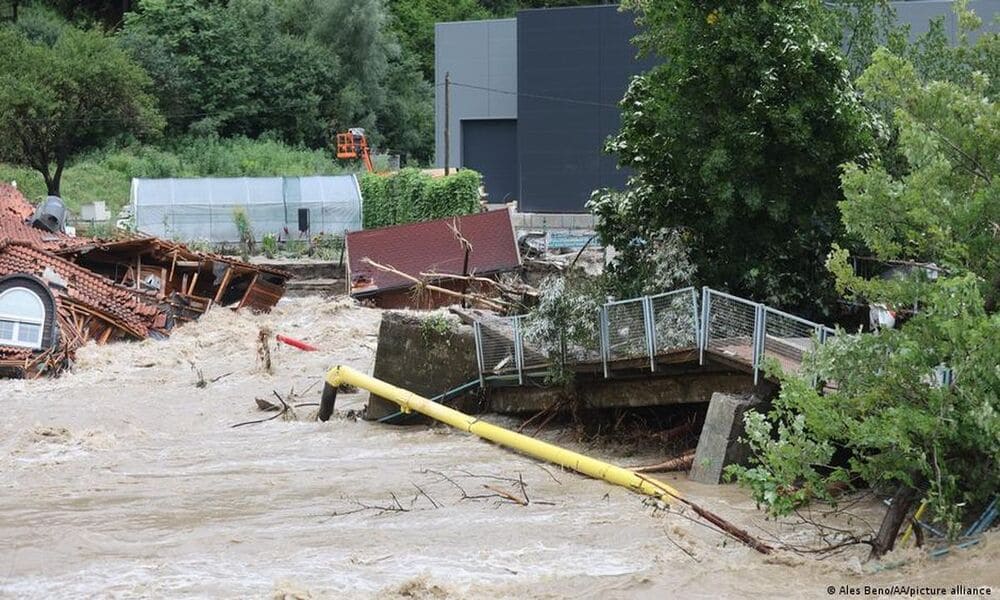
[[676, 320], [731, 327], [649, 327], [499, 347]]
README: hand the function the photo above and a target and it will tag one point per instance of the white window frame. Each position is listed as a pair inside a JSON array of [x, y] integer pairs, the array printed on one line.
[[19, 319]]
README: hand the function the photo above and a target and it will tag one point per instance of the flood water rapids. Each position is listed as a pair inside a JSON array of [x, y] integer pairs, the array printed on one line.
[[125, 479]]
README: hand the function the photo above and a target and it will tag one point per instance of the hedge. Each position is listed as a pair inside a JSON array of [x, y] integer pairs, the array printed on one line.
[[412, 195]]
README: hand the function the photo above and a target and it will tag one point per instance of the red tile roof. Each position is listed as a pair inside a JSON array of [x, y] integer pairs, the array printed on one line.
[[129, 309], [15, 211], [13, 354], [431, 246]]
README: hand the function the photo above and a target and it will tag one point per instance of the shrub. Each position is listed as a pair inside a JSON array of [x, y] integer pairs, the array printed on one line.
[[242, 222], [412, 195], [269, 245]]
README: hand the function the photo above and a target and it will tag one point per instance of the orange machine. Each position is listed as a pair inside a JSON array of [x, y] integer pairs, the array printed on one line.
[[354, 145]]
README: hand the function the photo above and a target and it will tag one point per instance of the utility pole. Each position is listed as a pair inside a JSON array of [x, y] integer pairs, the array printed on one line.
[[447, 122]]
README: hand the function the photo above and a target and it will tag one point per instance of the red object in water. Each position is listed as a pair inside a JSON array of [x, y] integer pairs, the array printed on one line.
[[294, 343]]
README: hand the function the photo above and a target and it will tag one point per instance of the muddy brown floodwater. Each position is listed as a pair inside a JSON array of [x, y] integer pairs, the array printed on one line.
[[124, 479]]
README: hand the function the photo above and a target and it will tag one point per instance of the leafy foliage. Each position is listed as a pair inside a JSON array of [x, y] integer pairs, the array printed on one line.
[[229, 68], [247, 239], [414, 22], [412, 195], [945, 209], [859, 27], [736, 140], [656, 263], [564, 324], [893, 418], [300, 70], [58, 100], [378, 87], [269, 244]]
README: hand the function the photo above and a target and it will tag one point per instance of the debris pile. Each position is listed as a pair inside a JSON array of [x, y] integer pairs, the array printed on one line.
[[58, 292], [431, 264]]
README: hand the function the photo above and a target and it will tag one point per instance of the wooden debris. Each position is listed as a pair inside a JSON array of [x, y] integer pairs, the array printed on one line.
[[506, 495], [723, 525], [678, 463], [421, 285], [264, 349], [266, 406]]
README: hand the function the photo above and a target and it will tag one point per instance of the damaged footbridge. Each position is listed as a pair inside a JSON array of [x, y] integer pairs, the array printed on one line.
[[678, 333]]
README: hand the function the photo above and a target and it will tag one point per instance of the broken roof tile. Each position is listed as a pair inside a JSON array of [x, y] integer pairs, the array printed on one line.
[[15, 213], [123, 306]]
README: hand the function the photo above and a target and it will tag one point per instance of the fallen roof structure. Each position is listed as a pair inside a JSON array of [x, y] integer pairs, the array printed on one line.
[[383, 263], [57, 292]]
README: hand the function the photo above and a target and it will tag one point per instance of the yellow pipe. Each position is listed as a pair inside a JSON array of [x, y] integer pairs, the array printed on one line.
[[916, 517], [410, 402]]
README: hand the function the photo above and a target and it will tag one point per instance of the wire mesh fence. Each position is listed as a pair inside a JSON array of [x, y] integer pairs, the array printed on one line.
[[647, 327], [788, 338], [497, 347], [731, 326], [626, 330], [675, 320], [577, 342]]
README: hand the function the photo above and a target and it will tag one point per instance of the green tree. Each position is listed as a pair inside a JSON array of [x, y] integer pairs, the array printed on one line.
[[379, 87], [736, 140], [859, 27], [891, 424], [108, 12], [413, 22], [230, 69], [57, 101]]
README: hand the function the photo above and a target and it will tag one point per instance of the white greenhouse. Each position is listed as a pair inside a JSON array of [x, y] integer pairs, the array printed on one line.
[[203, 208]]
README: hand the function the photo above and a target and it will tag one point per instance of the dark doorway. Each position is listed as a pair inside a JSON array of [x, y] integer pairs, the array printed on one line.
[[490, 147]]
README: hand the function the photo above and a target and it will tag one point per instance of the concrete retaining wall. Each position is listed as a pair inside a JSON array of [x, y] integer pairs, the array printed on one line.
[[427, 354]]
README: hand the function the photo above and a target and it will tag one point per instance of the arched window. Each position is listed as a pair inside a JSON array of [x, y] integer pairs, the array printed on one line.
[[22, 318]]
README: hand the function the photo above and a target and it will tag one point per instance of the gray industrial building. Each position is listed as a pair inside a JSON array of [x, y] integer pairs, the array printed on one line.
[[533, 99]]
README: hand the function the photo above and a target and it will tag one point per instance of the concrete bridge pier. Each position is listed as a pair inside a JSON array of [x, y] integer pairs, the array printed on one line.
[[719, 444]]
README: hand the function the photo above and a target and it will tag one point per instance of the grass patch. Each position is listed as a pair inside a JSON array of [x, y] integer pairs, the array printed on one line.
[[107, 174]]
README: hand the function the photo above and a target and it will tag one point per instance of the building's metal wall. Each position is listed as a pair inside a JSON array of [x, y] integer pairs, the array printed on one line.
[[490, 147], [918, 14], [565, 70], [481, 57], [573, 67]]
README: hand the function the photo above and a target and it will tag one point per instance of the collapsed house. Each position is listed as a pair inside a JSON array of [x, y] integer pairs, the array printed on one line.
[[431, 263], [58, 292]]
